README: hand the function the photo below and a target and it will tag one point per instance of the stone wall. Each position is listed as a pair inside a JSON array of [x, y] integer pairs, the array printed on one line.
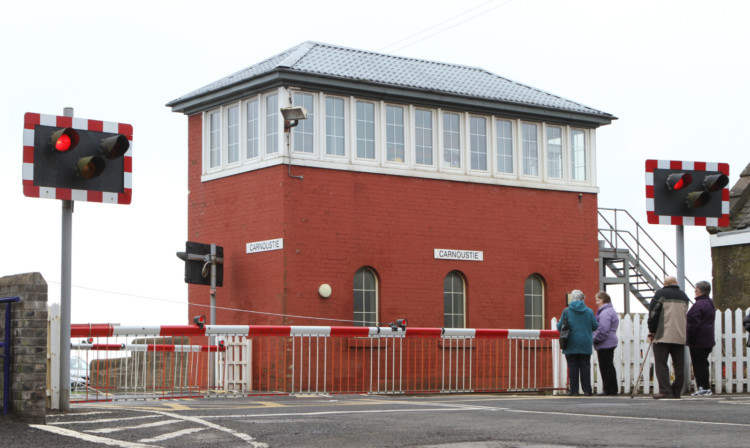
[[28, 388], [731, 271]]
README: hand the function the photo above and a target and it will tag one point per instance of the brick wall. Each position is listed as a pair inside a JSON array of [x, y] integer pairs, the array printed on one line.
[[29, 345], [334, 222]]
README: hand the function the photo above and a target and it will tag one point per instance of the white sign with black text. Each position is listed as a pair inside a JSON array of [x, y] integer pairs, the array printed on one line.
[[264, 246], [453, 254]]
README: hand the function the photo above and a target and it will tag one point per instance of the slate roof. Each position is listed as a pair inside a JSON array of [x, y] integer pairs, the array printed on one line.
[[346, 64], [739, 205]]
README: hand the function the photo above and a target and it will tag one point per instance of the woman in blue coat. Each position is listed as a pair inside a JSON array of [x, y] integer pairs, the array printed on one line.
[[605, 342], [580, 341]]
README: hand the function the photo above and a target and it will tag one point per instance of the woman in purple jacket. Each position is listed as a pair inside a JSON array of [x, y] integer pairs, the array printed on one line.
[[700, 336], [605, 342]]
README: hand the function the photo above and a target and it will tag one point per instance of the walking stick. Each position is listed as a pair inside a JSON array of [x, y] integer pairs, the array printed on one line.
[[638, 380]]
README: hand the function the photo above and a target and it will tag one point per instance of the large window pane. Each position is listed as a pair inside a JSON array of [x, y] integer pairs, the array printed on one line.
[[478, 137], [365, 130], [554, 152], [272, 124], [530, 150], [302, 134], [452, 140], [365, 298], [578, 154], [423, 131], [534, 303], [454, 300], [252, 129], [335, 135], [214, 139], [504, 131], [233, 134], [394, 133]]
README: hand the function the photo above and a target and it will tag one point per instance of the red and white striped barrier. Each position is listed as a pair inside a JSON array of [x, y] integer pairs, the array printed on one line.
[[108, 330], [149, 347]]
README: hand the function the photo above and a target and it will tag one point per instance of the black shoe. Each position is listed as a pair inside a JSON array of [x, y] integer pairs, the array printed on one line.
[[589, 394], [572, 394]]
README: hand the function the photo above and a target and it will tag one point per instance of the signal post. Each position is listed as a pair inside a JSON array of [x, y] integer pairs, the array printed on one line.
[[686, 193], [74, 159]]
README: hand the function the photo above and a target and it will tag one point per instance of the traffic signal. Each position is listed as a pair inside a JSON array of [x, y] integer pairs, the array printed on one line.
[[77, 159], [197, 259], [687, 193]]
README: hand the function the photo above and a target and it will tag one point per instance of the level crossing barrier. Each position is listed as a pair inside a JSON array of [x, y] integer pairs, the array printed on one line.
[[161, 362]]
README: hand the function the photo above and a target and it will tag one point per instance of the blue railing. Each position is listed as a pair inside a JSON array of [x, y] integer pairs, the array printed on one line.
[[5, 345]]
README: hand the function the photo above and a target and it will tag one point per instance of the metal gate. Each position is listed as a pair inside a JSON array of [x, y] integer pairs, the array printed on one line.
[[163, 362]]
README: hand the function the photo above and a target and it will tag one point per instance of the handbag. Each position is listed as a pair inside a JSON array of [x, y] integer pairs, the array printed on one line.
[[564, 330]]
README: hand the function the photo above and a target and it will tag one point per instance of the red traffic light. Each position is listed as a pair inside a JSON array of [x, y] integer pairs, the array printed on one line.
[[63, 139], [678, 181]]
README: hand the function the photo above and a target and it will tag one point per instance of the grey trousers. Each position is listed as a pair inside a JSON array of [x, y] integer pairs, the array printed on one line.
[[662, 352]]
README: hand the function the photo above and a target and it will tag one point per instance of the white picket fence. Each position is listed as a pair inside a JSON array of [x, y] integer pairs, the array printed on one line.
[[728, 361]]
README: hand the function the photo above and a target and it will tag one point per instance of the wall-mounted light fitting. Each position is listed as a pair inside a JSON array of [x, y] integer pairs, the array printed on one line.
[[325, 290], [291, 116]]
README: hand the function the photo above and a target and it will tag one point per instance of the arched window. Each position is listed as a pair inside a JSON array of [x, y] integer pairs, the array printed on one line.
[[534, 298], [365, 298], [454, 298]]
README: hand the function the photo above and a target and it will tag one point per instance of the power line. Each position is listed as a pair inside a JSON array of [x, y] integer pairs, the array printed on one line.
[[442, 23], [239, 310]]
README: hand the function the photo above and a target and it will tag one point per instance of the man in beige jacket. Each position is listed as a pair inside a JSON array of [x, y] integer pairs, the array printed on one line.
[[667, 326]]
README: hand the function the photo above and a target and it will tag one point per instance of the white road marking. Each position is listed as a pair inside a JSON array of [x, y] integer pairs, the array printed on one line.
[[91, 438], [622, 417], [172, 435], [242, 436], [104, 420], [125, 428]]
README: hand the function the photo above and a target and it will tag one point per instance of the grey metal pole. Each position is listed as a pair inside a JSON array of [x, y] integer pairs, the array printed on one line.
[[680, 243], [65, 285], [212, 339]]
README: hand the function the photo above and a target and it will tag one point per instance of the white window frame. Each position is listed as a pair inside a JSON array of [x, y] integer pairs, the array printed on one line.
[[587, 158], [279, 131], [547, 159], [444, 166], [404, 128], [487, 146], [346, 128], [244, 134], [539, 149], [433, 135], [227, 133], [380, 164], [462, 279], [513, 147], [207, 143], [311, 123], [376, 133]]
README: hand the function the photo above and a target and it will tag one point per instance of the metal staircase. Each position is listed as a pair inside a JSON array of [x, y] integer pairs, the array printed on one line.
[[629, 253]]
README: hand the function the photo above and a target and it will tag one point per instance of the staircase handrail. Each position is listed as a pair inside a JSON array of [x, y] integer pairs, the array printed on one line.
[[639, 246]]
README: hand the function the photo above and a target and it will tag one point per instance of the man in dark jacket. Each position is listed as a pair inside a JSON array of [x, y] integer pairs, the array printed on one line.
[[700, 336], [667, 326]]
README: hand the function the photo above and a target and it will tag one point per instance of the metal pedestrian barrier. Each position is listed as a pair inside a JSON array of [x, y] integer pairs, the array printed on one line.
[[163, 362]]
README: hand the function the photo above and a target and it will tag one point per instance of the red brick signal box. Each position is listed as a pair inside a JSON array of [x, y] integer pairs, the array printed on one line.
[[439, 193]]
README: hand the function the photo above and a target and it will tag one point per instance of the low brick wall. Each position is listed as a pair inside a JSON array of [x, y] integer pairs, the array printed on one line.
[[28, 388]]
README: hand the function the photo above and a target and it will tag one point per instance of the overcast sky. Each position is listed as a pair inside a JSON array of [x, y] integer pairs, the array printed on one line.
[[675, 73]]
